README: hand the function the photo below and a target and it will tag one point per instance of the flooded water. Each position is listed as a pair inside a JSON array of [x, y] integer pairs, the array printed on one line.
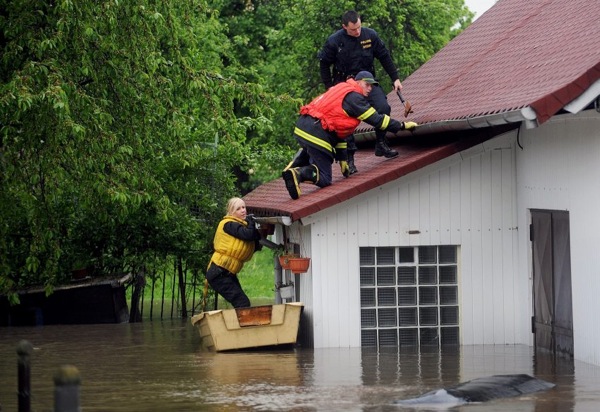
[[159, 366]]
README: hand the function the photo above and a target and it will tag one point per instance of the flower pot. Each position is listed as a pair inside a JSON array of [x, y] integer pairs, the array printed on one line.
[[299, 264], [284, 260]]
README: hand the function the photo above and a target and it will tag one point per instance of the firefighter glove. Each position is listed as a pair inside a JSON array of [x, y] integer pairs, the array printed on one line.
[[409, 125], [344, 168]]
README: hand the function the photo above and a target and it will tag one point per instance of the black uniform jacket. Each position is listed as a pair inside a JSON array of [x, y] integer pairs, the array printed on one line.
[[348, 55]]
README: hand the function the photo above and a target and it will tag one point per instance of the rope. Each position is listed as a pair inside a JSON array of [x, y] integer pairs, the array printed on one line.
[[204, 295]]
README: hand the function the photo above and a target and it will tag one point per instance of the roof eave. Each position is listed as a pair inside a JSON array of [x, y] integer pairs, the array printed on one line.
[[526, 115], [584, 99]]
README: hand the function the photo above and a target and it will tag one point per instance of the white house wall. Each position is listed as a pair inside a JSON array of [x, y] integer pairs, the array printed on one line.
[[559, 169], [466, 200]]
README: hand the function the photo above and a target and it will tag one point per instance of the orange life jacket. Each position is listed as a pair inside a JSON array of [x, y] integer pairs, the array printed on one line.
[[328, 108]]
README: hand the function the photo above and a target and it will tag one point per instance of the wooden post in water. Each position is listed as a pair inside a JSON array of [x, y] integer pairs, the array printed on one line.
[[24, 349], [66, 389]]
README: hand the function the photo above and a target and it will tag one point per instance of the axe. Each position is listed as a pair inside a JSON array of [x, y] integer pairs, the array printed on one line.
[[407, 106]]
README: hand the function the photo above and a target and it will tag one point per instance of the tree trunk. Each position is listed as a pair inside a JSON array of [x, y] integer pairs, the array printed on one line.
[[135, 315], [182, 289]]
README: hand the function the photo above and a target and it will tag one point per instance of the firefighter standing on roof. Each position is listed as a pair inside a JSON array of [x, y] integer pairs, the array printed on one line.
[[323, 126], [345, 53]]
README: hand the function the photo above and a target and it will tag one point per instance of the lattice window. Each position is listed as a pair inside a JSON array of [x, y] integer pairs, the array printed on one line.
[[409, 296]]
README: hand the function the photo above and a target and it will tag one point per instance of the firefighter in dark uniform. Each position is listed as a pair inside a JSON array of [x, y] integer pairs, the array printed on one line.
[[325, 124], [348, 51]]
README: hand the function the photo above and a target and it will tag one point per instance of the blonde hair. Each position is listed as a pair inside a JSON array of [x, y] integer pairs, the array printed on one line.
[[233, 204]]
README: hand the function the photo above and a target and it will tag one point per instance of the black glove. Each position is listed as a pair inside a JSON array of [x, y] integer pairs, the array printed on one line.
[[251, 221]]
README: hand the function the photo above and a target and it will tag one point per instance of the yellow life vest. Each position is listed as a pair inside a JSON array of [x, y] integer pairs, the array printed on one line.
[[230, 252]]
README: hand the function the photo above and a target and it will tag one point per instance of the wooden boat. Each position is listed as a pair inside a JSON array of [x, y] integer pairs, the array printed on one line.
[[257, 326]]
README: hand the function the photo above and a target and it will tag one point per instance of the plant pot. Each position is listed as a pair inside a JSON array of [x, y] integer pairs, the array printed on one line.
[[284, 260], [299, 264]]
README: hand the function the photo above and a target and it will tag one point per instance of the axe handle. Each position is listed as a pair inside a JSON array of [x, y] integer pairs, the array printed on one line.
[[400, 96]]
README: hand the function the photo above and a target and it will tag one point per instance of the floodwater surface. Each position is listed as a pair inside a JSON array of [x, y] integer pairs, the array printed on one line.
[[159, 366]]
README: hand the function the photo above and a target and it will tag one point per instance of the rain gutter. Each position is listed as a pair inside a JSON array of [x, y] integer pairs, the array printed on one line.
[[283, 220], [526, 115], [584, 99]]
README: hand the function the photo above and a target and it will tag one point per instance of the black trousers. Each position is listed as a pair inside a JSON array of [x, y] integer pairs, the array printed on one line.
[[227, 285]]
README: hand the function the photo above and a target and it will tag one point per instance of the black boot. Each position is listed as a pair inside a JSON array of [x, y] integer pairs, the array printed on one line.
[[382, 149], [351, 167], [293, 178]]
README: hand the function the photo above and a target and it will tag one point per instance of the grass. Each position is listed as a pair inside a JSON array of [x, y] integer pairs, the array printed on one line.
[[257, 277]]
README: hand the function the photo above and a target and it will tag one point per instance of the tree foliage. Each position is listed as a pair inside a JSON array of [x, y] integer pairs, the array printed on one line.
[[125, 125], [118, 133]]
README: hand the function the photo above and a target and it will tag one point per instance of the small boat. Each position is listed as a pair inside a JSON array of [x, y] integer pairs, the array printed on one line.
[[253, 327]]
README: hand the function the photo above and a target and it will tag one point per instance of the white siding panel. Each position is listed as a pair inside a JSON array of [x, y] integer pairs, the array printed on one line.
[[455, 217], [445, 210], [558, 169], [414, 212], [487, 264], [424, 210], [477, 275], [435, 207], [509, 244], [383, 218], [469, 323], [403, 215], [497, 264], [337, 263], [394, 217]]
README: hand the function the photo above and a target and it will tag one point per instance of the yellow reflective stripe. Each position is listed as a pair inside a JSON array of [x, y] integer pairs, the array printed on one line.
[[386, 122], [366, 114], [313, 139], [341, 145]]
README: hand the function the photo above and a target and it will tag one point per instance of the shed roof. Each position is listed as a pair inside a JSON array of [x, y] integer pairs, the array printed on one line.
[[518, 62]]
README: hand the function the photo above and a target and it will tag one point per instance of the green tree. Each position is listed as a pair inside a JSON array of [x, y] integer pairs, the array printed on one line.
[[278, 41], [124, 126], [118, 134]]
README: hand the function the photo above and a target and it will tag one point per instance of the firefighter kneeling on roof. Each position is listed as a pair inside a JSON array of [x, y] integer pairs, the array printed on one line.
[[323, 126]]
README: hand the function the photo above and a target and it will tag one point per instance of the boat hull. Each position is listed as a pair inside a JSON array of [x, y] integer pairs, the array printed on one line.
[[254, 327]]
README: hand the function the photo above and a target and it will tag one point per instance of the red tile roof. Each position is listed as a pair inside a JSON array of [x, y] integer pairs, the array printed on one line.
[[540, 54]]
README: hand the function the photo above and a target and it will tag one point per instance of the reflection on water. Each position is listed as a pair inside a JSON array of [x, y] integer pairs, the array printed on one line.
[[159, 366]]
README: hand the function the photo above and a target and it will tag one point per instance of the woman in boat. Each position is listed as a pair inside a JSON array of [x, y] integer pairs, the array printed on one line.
[[236, 240]]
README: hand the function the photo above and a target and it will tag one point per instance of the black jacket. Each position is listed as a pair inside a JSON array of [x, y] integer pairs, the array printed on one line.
[[348, 55]]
